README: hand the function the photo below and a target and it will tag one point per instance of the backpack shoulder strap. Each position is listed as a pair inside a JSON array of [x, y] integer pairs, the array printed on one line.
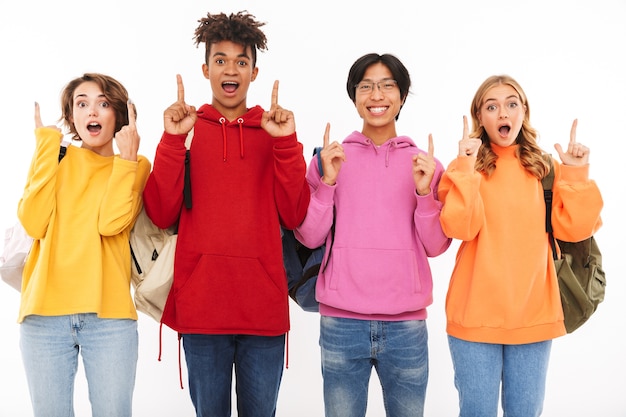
[[320, 168], [547, 182]]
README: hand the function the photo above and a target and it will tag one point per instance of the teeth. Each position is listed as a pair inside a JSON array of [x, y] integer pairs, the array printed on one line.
[[377, 109]]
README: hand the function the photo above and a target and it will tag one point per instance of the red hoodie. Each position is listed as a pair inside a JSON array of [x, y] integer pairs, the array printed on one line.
[[228, 271]]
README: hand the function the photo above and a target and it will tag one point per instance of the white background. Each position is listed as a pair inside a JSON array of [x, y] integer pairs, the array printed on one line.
[[567, 55]]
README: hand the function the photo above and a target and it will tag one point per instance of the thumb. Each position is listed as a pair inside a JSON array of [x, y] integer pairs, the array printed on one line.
[[559, 149]]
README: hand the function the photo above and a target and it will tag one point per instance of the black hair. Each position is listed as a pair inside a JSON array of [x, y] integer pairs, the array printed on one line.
[[397, 68]]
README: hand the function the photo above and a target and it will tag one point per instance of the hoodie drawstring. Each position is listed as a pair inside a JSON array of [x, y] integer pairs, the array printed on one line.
[[222, 121], [180, 367], [240, 121]]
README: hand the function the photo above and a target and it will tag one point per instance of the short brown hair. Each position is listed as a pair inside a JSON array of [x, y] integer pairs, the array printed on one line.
[[112, 89]]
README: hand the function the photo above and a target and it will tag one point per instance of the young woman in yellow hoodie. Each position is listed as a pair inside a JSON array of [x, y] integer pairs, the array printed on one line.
[[76, 283], [503, 306]]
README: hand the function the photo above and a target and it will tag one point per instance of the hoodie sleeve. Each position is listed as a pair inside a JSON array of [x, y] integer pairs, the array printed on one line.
[[39, 200], [426, 218], [163, 194], [462, 214], [290, 186], [319, 217], [576, 204]]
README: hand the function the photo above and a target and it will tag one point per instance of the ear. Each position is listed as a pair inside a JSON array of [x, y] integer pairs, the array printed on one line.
[[255, 72], [205, 70]]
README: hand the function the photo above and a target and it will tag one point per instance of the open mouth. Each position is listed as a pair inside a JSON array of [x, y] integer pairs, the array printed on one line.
[[504, 130], [230, 86], [94, 127]]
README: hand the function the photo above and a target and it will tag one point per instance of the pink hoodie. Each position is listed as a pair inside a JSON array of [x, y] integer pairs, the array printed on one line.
[[384, 233]]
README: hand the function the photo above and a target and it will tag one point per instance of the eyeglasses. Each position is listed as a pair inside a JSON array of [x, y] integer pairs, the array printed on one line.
[[367, 87]]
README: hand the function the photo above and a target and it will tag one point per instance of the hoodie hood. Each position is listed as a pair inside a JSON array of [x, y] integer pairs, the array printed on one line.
[[250, 120], [389, 146]]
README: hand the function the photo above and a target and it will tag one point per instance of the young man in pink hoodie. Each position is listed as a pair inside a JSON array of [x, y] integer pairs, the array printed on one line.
[[379, 195]]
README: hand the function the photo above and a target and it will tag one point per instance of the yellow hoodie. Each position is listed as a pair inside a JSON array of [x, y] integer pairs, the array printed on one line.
[[80, 213], [504, 287]]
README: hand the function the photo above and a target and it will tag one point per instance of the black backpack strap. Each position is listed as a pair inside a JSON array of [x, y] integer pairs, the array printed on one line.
[[547, 182], [187, 186], [62, 150]]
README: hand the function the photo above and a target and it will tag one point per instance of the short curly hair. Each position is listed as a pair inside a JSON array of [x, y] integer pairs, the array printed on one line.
[[240, 28]]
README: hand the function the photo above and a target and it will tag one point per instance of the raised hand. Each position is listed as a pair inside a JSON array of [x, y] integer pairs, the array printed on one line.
[[179, 118], [278, 121], [332, 156], [38, 122], [468, 146], [424, 168], [127, 139], [576, 154]]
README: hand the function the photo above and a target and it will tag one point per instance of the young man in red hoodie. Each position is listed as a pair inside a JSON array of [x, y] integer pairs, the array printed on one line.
[[229, 298]]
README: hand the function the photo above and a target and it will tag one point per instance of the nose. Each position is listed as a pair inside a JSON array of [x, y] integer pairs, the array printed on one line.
[[93, 111], [377, 92], [503, 114]]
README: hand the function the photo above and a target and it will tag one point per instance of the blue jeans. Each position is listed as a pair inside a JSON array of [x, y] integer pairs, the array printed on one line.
[[258, 363], [50, 347], [480, 368], [398, 350]]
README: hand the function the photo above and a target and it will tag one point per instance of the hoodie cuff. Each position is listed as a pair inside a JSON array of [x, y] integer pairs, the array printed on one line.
[[573, 174], [427, 204], [286, 142], [325, 193], [174, 141]]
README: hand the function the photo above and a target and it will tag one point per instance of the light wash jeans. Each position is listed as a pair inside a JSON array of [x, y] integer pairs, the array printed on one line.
[[258, 362], [50, 347], [398, 350], [480, 368]]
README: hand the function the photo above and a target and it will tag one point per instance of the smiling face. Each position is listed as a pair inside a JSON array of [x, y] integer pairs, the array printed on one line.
[[230, 70], [378, 105], [501, 114], [93, 118]]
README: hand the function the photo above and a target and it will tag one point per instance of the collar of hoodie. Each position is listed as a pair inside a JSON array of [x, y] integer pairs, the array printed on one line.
[[387, 147]]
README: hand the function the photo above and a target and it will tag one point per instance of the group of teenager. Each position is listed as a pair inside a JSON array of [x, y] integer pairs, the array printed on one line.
[[383, 206]]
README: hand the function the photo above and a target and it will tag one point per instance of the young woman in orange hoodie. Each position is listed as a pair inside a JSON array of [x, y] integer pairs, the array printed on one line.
[[503, 305]]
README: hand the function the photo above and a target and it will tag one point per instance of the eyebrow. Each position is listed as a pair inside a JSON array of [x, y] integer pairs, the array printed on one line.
[[382, 79], [241, 55], [509, 97], [85, 95]]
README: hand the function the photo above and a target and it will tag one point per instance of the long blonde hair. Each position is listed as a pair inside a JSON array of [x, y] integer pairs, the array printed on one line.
[[528, 152]]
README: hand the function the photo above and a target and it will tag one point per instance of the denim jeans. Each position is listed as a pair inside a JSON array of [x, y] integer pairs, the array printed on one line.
[[50, 347], [258, 362], [398, 350], [480, 368]]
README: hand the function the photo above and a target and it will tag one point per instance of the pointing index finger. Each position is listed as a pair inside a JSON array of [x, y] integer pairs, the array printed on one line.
[[274, 95], [431, 146], [132, 117], [327, 135], [572, 133], [181, 88], [38, 122], [465, 128]]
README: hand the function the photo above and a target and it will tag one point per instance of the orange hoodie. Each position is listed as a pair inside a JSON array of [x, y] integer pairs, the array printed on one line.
[[504, 287]]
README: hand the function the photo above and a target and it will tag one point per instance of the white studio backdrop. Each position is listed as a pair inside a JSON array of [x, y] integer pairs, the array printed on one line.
[[567, 55]]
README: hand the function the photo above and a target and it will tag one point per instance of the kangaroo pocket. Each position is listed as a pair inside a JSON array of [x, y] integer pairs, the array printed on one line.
[[226, 294], [374, 281]]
